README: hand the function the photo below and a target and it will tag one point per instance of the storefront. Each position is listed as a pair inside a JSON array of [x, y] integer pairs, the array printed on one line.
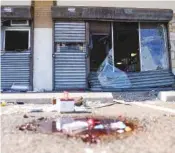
[[111, 48], [16, 46]]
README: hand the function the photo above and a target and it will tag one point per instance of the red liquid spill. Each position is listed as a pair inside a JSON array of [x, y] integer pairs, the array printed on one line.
[[89, 134]]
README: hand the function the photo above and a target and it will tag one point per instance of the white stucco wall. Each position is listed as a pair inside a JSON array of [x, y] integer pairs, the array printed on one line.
[[42, 79], [16, 2], [116, 3]]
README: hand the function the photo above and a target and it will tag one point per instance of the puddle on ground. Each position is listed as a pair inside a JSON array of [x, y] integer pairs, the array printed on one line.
[[89, 129]]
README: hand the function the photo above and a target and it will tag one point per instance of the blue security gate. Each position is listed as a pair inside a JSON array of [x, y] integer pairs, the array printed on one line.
[[15, 69], [70, 56]]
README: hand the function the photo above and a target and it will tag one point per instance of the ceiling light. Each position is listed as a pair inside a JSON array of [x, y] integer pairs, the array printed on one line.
[[119, 63], [133, 54]]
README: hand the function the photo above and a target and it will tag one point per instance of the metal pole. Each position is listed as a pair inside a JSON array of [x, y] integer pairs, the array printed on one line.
[[112, 37], [140, 48]]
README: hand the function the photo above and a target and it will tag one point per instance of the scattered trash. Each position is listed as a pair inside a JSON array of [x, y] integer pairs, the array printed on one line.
[[128, 129], [36, 110], [78, 101], [25, 116], [3, 103], [89, 129], [117, 125], [54, 101], [75, 127], [81, 109], [20, 103], [41, 118], [100, 126], [98, 104], [65, 104], [20, 87], [61, 121], [28, 126], [120, 131]]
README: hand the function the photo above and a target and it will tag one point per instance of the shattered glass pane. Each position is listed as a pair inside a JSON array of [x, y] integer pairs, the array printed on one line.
[[110, 76], [154, 54]]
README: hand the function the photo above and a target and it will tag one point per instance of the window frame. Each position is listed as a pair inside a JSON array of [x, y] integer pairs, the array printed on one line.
[[17, 29], [166, 41]]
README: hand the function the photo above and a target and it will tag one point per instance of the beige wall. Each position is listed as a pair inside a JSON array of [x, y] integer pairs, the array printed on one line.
[[42, 70], [115, 3], [42, 14], [21, 2]]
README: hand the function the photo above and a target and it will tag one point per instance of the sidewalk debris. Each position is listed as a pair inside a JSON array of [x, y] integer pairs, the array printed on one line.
[[128, 129], [36, 110], [41, 118], [20, 103], [79, 101], [75, 127], [25, 116], [3, 103], [117, 125], [28, 126], [66, 104]]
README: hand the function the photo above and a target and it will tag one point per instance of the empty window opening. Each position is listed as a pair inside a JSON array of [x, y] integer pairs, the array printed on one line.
[[126, 47], [70, 47], [16, 40]]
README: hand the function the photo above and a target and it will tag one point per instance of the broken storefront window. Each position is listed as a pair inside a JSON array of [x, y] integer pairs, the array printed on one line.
[[154, 54]]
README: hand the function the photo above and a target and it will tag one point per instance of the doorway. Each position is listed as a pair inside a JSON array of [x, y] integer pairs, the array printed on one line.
[[99, 51], [126, 46], [99, 43]]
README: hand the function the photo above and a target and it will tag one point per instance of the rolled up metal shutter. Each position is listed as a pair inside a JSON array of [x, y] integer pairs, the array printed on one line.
[[15, 68], [69, 32], [70, 63]]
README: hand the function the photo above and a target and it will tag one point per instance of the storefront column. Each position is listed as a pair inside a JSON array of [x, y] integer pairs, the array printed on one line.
[[42, 79], [172, 42]]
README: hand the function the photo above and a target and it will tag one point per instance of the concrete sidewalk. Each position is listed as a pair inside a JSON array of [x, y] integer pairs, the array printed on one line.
[[47, 97]]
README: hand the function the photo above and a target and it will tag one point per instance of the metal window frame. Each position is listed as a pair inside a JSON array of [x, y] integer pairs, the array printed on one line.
[[18, 29], [19, 24], [112, 39], [166, 43], [140, 48]]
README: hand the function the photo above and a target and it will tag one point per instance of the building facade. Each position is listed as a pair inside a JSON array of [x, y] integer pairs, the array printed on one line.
[[87, 45]]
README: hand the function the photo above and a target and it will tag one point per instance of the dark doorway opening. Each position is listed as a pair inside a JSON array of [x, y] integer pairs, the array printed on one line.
[[99, 51], [126, 47], [99, 43]]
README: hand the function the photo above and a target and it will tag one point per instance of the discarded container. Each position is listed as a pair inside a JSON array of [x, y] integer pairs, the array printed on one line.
[[54, 101], [117, 125], [128, 129], [100, 127], [75, 127], [3, 103], [65, 104], [61, 121], [120, 131]]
